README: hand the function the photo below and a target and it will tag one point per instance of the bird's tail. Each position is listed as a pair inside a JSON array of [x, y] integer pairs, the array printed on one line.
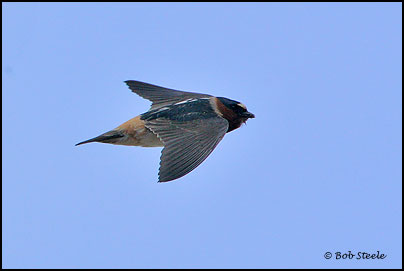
[[111, 137]]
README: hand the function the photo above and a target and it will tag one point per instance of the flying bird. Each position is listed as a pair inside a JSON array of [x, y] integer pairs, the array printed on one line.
[[188, 125]]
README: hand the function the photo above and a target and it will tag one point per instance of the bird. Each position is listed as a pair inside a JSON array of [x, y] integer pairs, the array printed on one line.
[[187, 125]]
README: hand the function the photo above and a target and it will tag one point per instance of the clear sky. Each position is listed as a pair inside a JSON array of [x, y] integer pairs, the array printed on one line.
[[318, 170]]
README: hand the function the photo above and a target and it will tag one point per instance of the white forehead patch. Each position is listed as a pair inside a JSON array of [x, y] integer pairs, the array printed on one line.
[[242, 105]]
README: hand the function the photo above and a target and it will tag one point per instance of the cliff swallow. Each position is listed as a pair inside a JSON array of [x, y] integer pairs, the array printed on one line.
[[188, 125]]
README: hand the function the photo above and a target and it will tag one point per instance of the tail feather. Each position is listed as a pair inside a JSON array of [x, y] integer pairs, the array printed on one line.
[[108, 137]]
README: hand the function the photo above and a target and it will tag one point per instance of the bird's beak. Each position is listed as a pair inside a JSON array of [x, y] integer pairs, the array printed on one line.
[[248, 115]]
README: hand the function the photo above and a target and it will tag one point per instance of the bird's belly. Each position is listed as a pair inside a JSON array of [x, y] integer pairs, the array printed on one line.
[[142, 137], [137, 134]]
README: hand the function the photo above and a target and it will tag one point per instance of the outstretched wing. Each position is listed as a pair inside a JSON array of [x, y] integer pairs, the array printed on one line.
[[186, 144], [161, 96]]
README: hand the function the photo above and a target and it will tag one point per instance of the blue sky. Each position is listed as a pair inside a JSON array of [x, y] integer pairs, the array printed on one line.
[[318, 170]]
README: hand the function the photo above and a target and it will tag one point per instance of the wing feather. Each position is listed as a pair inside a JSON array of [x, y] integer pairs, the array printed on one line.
[[186, 144], [160, 96]]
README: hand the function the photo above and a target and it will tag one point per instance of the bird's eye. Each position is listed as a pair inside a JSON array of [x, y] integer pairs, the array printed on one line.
[[242, 107], [237, 108]]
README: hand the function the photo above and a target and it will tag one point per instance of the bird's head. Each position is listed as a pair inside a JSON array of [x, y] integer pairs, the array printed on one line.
[[235, 112]]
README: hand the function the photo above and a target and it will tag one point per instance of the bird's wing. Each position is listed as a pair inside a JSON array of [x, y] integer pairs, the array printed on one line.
[[186, 143], [161, 96]]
